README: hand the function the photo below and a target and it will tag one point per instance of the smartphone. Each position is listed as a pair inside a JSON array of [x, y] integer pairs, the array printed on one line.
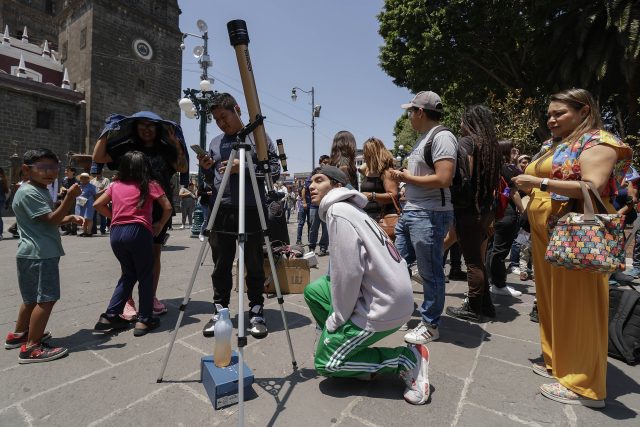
[[198, 150]]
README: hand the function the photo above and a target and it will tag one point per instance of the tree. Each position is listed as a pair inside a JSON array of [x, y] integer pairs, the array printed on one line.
[[465, 50]]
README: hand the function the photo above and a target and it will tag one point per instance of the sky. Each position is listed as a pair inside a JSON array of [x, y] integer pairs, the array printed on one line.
[[330, 45]]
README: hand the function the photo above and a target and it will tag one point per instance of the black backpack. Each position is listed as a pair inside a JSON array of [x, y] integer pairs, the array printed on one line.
[[624, 325], [461, 186]]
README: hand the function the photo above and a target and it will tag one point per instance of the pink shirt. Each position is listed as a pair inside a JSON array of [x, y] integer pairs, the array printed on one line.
[[124, 199]]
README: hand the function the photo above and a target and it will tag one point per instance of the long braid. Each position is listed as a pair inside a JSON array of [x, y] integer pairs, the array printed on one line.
[[479, 123]]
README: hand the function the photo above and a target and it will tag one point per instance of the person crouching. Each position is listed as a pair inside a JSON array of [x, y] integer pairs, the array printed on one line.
[[367, 296]]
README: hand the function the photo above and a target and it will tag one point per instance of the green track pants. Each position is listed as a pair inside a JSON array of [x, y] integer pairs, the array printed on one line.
[[346, 352]]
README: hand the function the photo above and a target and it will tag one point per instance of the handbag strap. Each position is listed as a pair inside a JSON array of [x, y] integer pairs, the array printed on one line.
[[589, 188], [395, 203]]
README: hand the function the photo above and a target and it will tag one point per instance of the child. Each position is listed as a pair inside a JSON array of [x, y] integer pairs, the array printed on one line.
[[368, 298], [132, 195], [84, 203], [38, 256]]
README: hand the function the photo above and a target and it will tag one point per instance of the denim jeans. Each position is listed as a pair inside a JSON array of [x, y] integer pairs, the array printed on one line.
[[303, 216], [315, 227], [420, 237], [205, 217]]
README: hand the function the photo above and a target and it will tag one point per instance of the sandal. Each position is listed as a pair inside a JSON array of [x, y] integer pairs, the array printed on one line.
[[560, 393], [150, 324]]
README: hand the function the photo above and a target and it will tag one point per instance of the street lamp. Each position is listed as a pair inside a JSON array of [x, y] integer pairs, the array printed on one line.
[[315, 112], [196, 104]]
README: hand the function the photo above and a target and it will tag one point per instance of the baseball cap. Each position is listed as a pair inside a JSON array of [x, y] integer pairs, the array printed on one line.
[[426, 100], [334, 173]]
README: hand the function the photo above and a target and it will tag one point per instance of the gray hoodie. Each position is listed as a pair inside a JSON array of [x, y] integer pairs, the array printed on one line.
[[370, 283]]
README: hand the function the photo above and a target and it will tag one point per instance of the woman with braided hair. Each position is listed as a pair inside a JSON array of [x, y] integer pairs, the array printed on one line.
[[472, 223]]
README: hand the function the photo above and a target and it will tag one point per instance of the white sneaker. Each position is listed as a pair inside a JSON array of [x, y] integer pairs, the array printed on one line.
[[507, 290], [201, 237], [417, 379], [514, 270], [404, 327], [181, 227], [422, 334]]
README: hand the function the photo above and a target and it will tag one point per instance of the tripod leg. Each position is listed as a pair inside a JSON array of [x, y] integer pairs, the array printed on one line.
[[199, 261], [267, 242]]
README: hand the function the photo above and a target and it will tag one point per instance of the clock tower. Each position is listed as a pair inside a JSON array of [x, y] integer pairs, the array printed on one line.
[[124, 55]]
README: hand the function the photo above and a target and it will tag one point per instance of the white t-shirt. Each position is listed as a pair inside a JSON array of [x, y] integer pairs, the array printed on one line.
[[444, 146]]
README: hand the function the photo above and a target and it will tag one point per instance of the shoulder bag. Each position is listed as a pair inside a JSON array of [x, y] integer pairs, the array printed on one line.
[[388, 222], [588, 241]]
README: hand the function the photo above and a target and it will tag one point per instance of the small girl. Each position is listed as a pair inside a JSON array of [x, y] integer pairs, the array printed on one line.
[[132, 195], [84, 203]]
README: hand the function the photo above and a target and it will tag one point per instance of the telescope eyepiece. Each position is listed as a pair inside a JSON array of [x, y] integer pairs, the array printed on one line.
[[238, 33]]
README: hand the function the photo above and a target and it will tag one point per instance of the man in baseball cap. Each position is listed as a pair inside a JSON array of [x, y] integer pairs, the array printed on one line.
[[428, 212], [425, 100]]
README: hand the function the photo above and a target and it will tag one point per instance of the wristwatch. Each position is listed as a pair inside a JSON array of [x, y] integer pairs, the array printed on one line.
[[544, 184]]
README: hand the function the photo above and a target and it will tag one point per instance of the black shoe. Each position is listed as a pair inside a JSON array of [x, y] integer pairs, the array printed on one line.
[[258, 328], [534, 313], [458, 274], [208, 331], [150, 324], [323, 252], [466, 312], [108, 323], [489, 310]]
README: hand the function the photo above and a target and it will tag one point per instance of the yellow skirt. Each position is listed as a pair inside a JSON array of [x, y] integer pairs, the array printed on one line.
[[573, 309]]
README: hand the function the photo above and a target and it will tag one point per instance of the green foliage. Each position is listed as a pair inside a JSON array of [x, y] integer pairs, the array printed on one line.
[[516, 118]]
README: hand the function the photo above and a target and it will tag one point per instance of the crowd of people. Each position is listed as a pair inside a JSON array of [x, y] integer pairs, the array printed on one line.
[[470, 195]]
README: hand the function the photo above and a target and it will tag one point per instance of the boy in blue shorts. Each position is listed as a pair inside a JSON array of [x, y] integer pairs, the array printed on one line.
[[39, 252]]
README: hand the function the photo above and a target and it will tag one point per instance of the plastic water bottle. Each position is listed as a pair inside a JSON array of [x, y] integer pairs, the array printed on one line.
[[222, 342]]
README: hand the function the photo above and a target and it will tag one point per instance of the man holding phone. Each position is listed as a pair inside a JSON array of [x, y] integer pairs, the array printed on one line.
[[222, 239]]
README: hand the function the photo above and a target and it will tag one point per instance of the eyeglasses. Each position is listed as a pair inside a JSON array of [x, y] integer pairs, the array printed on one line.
[[45, 166]]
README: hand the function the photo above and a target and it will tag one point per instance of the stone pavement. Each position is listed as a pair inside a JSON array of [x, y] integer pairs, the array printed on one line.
[[480, 374]]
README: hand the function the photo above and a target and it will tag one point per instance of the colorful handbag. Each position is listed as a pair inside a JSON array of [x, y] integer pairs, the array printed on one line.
[[388, 222], [588, 241]]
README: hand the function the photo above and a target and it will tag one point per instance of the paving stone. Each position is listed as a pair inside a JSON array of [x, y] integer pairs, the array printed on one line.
[[13, 417]]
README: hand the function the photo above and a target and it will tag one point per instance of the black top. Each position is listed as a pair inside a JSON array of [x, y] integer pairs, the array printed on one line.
[[374, 184]]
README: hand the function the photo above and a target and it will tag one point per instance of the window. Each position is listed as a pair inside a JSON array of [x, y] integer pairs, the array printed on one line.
[[140, 84], [83, 38], [43, 119]]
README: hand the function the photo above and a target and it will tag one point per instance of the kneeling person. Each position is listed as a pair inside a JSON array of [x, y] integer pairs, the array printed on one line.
[[368, 296]]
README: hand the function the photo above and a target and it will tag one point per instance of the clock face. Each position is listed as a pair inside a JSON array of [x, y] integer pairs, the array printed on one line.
[[142, 49]]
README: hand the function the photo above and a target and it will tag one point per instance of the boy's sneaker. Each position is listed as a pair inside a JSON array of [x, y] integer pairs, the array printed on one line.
[[158, 307], [207, 331], [422, 334], [40, 352], [258, 328], [505, 290], [129, 313], [108, 323], [417, 379], [14, 340]]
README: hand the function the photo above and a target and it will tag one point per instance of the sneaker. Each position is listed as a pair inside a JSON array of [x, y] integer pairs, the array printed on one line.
[[181, 227], [142, 327], [108, 323], [129, 313], [201, 237], [14, 340], [533, 316], [465, 312], [323, 252], [540, 369], [458, 274], [299, 243], [158, 307], [422, 334], [40, 352], [417, 379], [559, 393], [404, 327], [207, 331], [514, 270], [258, 327], [507, 290]]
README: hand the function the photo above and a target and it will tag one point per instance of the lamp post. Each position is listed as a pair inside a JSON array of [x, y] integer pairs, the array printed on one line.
[[401, 154], [315, 112], [196, 104]]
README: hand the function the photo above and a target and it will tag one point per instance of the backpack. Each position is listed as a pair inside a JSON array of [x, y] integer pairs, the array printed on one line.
[[624, 325], [502, 198], [461, 187]]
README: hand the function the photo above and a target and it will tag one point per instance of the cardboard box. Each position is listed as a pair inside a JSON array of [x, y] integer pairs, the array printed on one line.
[[221, 384], [293, 276]]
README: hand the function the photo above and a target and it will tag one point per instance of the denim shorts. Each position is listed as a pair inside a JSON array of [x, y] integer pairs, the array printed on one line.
[[38, 279]]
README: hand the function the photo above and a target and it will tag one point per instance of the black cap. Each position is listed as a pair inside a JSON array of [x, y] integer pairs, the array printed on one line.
[[334, 173]]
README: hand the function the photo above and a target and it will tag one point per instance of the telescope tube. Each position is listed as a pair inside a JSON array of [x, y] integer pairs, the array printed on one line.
[[239, 38]]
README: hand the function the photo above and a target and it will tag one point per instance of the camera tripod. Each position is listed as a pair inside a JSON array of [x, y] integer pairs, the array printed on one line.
[[242, 152]]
